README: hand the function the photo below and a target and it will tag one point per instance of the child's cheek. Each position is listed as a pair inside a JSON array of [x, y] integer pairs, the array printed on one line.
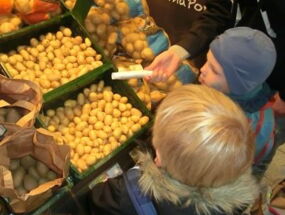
[[218, 87]]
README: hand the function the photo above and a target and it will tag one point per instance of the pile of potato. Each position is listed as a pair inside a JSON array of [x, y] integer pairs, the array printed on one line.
[[29, 173], [52, 60], [10, 115], [9, 23], [112, 16], [118, 9], [160, 89], [98, 24], [134, 40], [94, 124], [152, 93]]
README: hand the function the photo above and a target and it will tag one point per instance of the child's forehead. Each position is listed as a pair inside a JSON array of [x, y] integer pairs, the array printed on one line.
[[214, 63]]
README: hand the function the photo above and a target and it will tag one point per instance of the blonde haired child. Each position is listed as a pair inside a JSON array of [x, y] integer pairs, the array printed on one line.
[[204, 152]]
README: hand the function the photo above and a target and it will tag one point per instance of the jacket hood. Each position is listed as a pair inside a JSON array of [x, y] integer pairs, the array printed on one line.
[[157, 183]]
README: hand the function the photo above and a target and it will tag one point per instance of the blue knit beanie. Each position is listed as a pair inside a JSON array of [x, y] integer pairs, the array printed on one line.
[[247, 57]]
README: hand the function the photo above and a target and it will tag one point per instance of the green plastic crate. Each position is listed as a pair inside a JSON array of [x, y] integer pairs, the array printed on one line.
[[81, 9], [122, 88], [23, 37], [3, 207], [57, 195]]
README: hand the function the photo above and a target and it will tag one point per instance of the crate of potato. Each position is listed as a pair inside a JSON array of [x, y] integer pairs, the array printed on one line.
[[97, 122], [56, 56]]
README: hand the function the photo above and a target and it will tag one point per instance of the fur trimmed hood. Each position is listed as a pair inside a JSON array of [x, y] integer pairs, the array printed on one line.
[[157, 183]]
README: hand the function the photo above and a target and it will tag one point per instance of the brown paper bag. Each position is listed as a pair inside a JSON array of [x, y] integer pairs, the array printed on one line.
[[21, 94], [40, 144]]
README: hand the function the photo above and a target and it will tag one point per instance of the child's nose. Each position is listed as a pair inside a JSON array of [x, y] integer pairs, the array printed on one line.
[[203, 70]]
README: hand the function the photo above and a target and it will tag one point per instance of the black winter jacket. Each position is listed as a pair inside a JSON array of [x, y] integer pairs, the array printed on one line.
[[111, 197], [251, 17], [192, 24]]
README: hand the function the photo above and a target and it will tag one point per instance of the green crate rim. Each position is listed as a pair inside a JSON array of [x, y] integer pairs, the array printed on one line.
[[54, 198], [79, 81]]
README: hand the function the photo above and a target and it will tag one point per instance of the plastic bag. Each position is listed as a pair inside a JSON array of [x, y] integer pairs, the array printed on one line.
[[142, 39]]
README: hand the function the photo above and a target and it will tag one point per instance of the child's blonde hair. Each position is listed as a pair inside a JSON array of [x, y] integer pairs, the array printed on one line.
[[202, 136]]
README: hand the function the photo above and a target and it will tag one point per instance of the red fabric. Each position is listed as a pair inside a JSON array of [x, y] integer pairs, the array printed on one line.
[[44, 6], [34, 17], [273, 211]]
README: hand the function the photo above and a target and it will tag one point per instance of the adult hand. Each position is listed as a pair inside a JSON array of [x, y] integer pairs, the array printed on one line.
[[278, 105], [163, 66]]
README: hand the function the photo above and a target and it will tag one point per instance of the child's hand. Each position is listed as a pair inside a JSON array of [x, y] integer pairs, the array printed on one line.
[[279, 105], [163, 66]]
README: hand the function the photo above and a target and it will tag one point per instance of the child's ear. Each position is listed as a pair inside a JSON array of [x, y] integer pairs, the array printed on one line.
[[157, 159]]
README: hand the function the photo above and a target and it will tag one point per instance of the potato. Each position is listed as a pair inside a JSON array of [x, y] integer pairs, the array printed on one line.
[[51, 175], [27, 162], [14, 164], [33, 172], [42, 181], [3, 111], [21, 190], [157, 96], [2, 119], [12, 116], [147, 54], [29, 182], [18, 176], [42, 169]]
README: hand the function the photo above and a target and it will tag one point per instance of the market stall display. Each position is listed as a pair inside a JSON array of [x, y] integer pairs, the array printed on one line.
[[84, 111], [56, 70], [95, 121]]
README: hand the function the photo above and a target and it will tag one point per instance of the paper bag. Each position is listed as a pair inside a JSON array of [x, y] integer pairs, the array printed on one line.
[[23, 95], [40, 144]]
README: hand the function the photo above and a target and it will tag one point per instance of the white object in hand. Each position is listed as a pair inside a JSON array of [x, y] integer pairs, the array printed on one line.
[[130, 74]]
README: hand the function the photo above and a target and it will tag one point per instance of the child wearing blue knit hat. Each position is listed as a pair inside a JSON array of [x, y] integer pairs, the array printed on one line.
[[238, 63]]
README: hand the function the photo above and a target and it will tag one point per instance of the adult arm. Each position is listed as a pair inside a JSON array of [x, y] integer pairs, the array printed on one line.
[[214, 21]]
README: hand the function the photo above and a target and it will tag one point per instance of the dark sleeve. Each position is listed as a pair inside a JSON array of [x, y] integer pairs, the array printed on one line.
[[214, 21], [111, 198], [275, 10]]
